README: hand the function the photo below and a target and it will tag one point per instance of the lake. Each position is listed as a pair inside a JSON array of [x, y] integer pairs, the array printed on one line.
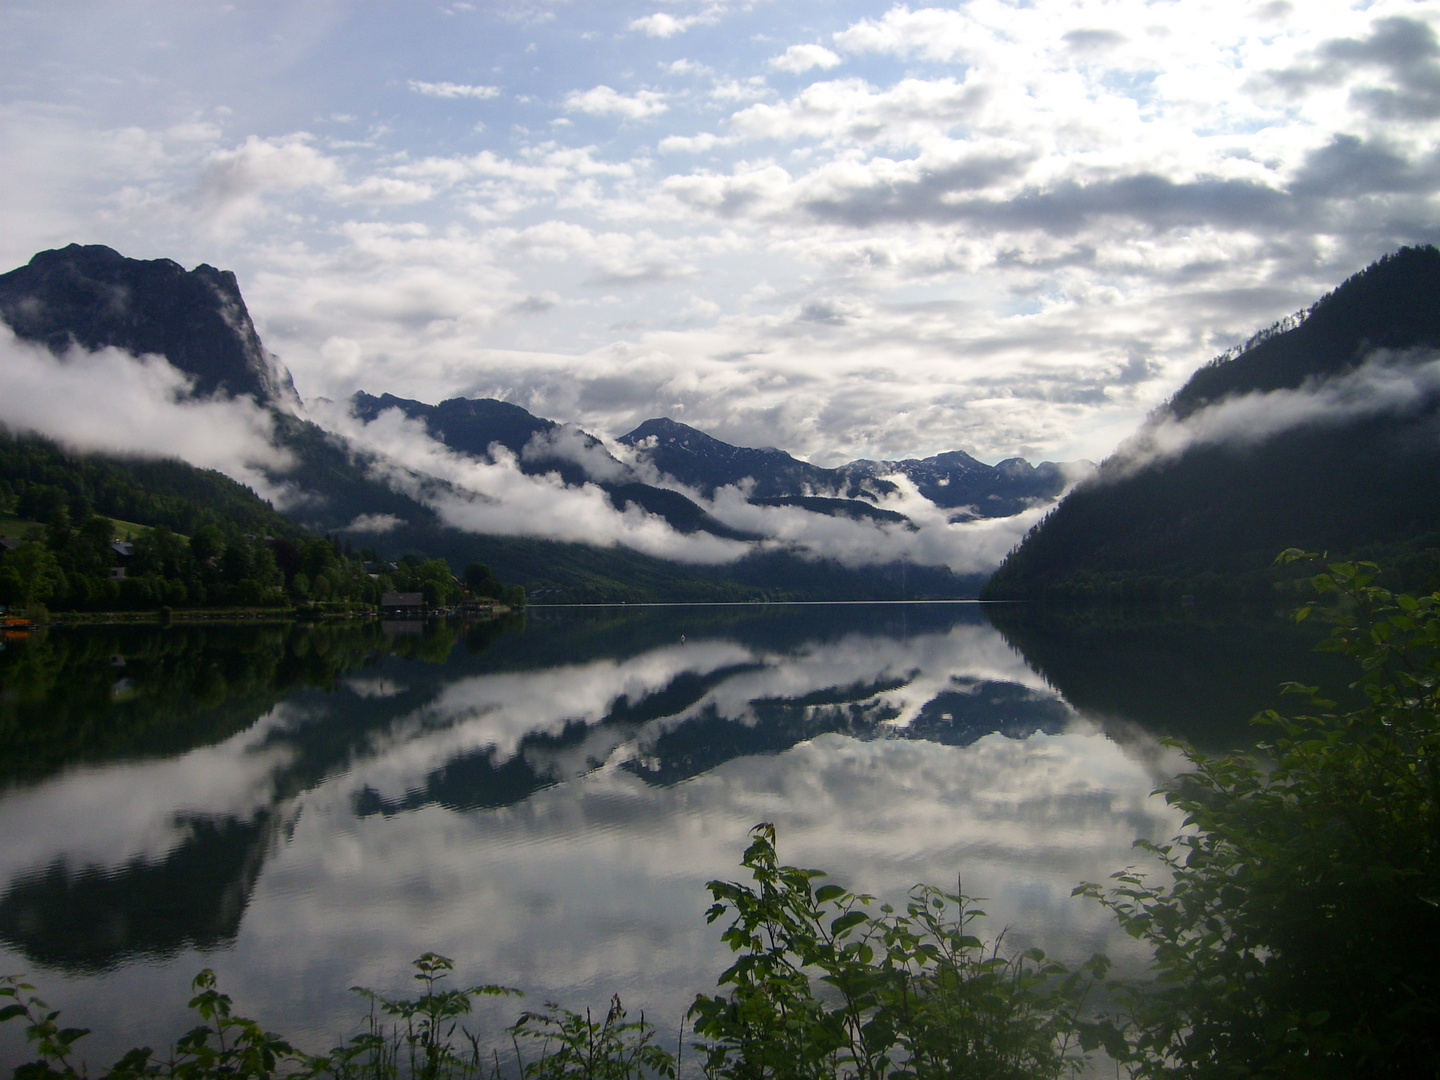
[[309, 808]]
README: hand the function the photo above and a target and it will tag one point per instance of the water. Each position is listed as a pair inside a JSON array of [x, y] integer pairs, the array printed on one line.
[[308, 809]]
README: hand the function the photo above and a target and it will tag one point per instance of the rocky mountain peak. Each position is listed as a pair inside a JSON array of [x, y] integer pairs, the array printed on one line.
[[93, 297]]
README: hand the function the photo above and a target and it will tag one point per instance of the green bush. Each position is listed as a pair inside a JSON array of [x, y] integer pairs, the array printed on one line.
[[823, 988], [1296, 925]]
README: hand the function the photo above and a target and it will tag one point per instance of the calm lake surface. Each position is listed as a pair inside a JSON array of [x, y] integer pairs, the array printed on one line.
[[305, 809]]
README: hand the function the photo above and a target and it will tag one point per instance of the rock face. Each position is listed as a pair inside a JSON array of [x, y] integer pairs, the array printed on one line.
[[1323, 450], [94, 297]]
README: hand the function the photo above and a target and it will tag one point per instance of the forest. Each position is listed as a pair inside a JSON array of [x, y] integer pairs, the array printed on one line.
[[96, 535]]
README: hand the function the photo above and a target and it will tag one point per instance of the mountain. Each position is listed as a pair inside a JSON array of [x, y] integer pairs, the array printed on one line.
[[472, 425], [697, 460], [94, 297], [1322, 433], [955, 480], [952, 480]]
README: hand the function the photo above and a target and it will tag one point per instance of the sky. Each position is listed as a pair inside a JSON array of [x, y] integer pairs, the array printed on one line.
[[846, 228]]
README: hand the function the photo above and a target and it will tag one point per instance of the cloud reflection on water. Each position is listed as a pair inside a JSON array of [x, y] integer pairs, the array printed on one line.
[[586, 876]]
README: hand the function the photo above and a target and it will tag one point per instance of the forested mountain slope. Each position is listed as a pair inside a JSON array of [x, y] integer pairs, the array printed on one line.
[[1323, 435]]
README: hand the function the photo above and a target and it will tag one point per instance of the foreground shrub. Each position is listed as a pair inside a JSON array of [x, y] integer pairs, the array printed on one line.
[[822, 988], [1296, 925]]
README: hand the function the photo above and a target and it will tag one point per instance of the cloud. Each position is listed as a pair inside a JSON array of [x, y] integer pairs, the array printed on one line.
[[910, 113], [454, 90], [1405, 49], [603, 101], [694, 144], [931, 33], [111, 402], [927, 538], [1092, 40], [801, 58], [663, 25], [385, 190], [568, 443], [1064, 209], [1006, 202], [1349, 166], [495, 497], [378, 524], [234, 183], [1385, 383]]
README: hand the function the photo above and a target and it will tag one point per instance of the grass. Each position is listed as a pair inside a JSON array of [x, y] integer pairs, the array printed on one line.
[[10, 525]]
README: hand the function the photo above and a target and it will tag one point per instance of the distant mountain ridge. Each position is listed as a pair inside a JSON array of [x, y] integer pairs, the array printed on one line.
[[1303, 439], [705, 463], [92, 297], [702, 463], [472, 425]]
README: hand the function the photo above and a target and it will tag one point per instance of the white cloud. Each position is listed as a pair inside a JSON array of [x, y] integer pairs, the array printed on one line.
[[385, 190], [910, 113], [454, 90], [1386, 383], [928, 540], [569, 443], [1054, 212], [801, 58], [234, 184], [112, 402], [495, 497], [931, 33], [664, 25], [604, 101], [751, 89], [694, 144], [686, 67], [374, 523]]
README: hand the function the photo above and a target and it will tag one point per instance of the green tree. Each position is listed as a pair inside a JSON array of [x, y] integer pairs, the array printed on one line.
[[207, 543], [433, 577], [1296, 925], [30, 574]]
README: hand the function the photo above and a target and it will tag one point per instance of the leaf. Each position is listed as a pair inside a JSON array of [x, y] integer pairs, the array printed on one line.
[[846, 922]]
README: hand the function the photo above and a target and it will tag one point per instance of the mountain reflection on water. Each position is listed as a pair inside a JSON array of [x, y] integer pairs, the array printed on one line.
[[308, 808]]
